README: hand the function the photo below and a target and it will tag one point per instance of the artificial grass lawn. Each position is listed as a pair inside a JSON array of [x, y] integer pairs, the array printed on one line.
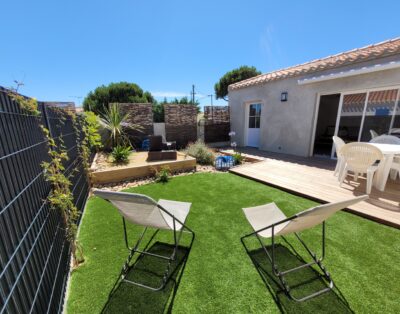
[[362, 256]]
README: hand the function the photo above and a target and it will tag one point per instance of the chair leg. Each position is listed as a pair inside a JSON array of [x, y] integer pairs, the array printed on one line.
[[168, 271], [281, 274], [370, 176], [343, 176], [337, 168], [342, 167], [393, 174]]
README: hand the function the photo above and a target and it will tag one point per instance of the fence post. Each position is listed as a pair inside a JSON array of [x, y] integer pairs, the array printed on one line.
[[46, 119]]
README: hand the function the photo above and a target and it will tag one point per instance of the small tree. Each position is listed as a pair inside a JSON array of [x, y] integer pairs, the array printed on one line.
[[116, 123], [158, 112], [122, 92], [234, 76]]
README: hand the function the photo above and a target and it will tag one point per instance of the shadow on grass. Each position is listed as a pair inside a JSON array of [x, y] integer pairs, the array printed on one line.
[[128, 298], [302, 282]]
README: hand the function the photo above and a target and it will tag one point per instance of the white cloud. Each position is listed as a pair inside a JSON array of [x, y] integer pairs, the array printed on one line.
[[269, 44]]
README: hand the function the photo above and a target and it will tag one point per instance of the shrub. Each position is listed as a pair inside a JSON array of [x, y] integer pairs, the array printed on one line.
[[163, 175], [120, 153], [91, 128], [238, 157], [113, 120], [200, 151]]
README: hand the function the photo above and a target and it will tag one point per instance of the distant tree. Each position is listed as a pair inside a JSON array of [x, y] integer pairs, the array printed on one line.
[[158, 107], [234, 76], [122, 92], [158, 112]]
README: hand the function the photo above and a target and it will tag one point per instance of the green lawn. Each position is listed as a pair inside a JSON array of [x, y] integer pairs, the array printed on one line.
[[219, 276]]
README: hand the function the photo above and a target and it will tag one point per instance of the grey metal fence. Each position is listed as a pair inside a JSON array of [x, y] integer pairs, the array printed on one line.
[[34, 253]]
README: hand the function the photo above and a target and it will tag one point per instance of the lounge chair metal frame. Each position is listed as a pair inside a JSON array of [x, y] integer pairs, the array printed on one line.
[[135, 249], [280, 274]]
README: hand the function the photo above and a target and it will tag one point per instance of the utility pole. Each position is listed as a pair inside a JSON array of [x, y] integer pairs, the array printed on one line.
[[212, 108], [211, 99], [193, 93]]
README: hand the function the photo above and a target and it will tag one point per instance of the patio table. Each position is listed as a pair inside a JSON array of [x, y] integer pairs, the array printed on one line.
[[382, 174]]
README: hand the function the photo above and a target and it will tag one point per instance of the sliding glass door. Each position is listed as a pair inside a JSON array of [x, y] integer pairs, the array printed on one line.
[[367, 112], [351, 115], [395, 127], [378, 113]]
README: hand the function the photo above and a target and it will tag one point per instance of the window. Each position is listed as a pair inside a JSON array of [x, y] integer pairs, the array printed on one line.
[[378, 113], [254, 116], [395, 128], [351, 116]]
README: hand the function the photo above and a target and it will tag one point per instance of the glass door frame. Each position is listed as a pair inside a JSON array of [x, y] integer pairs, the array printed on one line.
[[246, 107], [360, 91]]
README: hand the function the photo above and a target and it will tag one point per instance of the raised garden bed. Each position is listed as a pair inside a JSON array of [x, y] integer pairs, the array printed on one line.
[[103, 171]]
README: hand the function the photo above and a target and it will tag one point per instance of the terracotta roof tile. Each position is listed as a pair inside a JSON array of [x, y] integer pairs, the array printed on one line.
[[371, 52]]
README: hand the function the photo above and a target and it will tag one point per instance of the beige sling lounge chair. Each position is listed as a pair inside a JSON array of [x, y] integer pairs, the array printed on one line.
[[144, 211], [268, 221]]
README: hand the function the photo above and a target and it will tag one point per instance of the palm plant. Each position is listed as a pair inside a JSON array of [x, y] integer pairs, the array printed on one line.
[[116, 123]]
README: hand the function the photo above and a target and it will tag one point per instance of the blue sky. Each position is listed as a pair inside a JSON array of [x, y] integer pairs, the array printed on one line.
[[63, 49]]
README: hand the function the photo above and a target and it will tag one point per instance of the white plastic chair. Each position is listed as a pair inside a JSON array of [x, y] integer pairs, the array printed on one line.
[[144, 211], [360, 158], [390, 139], [339, 143], [268, 221], [386, 139], [373, 134]]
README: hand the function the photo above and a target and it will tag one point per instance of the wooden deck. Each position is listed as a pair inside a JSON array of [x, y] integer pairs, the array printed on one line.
[[313, 178]]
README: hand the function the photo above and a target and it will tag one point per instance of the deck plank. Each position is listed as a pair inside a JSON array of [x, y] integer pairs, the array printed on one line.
[[313, 178]]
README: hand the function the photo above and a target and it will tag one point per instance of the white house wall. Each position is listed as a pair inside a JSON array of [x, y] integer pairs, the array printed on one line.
[[287, 127]]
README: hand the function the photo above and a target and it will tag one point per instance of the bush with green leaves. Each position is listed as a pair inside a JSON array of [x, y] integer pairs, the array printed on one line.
[[116, 124], [238, 158], [158, 106], [91, 127], [163, 175], [231, 77], [120, 154], [200, 151], [121, 92]]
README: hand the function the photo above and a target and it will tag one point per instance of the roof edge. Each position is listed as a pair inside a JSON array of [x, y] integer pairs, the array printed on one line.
[[238, 85]]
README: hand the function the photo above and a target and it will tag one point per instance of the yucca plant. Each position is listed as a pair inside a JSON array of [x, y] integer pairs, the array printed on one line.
[[116, 122], [120, 154]]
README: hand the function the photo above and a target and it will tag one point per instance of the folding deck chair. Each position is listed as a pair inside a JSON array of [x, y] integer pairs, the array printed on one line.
[[144, 211], [268, 221]]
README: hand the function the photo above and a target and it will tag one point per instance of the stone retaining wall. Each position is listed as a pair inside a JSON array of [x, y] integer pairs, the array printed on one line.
[[180, 124], [140, 114]]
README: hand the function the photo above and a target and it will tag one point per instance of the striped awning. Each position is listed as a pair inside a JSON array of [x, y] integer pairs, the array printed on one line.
[[377, 100], [354, 102], [383, 96]]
